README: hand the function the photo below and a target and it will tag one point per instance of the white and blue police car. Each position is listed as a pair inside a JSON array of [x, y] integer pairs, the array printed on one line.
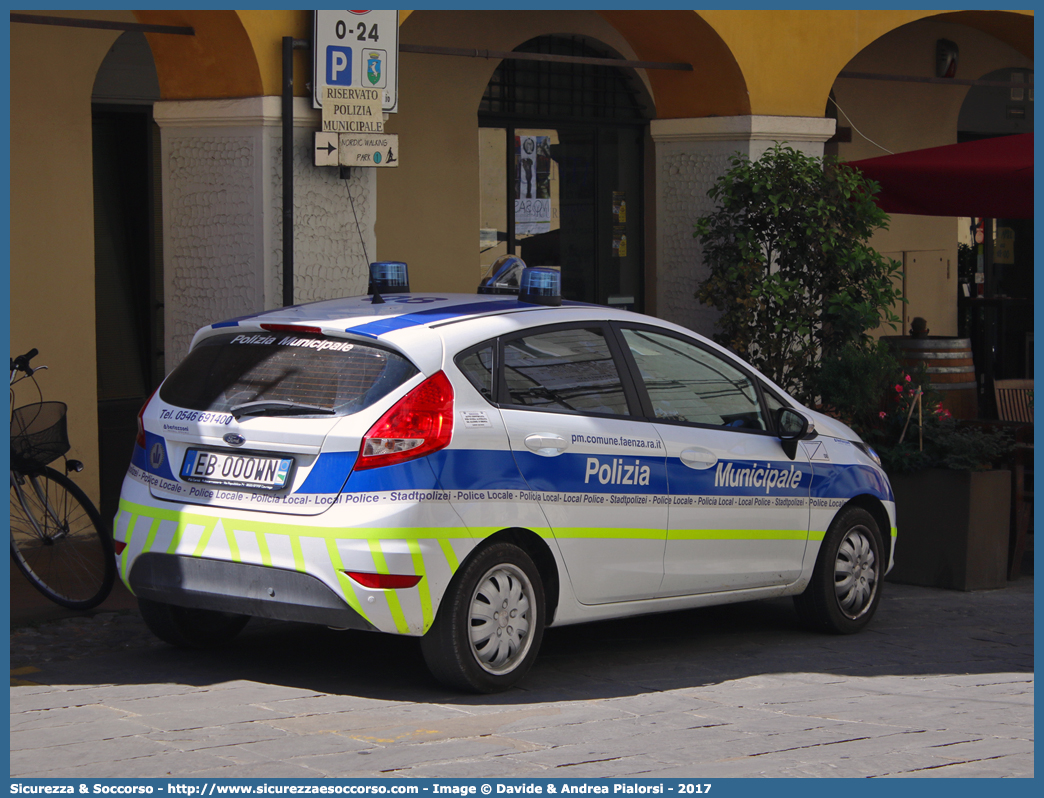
[[471, 469]]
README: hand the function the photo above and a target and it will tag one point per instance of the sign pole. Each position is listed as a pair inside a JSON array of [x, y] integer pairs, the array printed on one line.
[[289, 45], [288, 171]]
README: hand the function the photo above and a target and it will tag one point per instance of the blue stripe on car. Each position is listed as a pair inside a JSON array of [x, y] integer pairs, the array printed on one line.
[[413, 474], [715, 481], [836, 481], [329, 473], [477, 469], [379, 327], [581, 473]]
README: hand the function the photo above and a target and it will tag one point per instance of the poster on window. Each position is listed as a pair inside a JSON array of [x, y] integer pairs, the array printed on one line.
[[619, 207], [532, 185], [619, 241]]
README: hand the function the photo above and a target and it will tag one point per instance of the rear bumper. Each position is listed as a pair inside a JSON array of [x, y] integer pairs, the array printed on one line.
[[255, 590]]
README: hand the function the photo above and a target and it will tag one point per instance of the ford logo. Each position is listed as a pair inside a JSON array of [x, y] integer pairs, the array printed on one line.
[[232, 439]]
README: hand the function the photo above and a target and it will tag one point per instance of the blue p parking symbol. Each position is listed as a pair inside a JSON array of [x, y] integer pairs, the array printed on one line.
[[338, 66]]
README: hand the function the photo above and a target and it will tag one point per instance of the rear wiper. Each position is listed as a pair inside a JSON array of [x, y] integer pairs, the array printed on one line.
[[277, 407]]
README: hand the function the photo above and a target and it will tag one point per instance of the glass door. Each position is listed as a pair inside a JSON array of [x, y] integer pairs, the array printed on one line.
[[566, 197]]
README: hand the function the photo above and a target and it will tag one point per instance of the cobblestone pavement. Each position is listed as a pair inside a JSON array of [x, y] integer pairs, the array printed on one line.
[[940, 684]]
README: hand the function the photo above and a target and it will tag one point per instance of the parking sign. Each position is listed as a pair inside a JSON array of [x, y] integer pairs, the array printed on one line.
[[357, 49]]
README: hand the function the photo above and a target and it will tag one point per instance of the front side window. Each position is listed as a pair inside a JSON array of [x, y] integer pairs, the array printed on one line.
[[566, 370], [772, 402], [335, 376], [686, 383]]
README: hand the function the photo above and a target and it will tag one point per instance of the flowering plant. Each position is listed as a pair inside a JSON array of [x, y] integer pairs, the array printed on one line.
[[902, 416], [915, 431]]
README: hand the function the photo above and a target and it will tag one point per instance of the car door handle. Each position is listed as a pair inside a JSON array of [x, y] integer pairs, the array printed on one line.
[[546, 444], [698, 458]]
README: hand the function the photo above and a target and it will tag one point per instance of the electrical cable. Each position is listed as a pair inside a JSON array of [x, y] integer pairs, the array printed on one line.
[[357, 225], [857, 130]]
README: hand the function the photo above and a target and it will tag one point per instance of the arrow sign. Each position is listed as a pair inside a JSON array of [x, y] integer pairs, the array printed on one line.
[[326, 146]]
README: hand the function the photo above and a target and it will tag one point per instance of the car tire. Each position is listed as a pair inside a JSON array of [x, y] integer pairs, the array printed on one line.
[[186, 627], [489, 626], [846, 584]]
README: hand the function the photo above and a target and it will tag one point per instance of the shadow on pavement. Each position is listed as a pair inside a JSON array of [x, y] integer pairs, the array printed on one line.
[[916, 631]]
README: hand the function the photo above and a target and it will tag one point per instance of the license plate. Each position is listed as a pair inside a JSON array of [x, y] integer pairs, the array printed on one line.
[[248, 470]]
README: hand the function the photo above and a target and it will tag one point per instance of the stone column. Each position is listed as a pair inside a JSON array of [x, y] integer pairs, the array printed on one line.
[[221, 172], [691, 154]]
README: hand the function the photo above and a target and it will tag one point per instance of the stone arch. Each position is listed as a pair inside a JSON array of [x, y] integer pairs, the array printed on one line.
[[715, 86], [219, 61], [1014, 29]]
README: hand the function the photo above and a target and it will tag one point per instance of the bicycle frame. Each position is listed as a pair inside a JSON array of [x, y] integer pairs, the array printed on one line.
[[61, 529]]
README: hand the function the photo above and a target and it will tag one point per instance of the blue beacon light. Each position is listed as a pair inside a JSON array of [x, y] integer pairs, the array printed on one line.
[[541, 286], [389, 277]]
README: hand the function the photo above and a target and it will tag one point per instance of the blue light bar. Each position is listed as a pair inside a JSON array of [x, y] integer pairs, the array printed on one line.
[[389, 277], [541, 286]]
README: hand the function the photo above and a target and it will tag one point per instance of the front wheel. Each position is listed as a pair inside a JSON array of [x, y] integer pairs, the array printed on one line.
[[186, 627], [58, 540], [490, 624], [846, 583]]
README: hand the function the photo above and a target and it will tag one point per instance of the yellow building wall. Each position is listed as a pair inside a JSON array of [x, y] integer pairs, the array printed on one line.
[[790, 58], [52, 218]]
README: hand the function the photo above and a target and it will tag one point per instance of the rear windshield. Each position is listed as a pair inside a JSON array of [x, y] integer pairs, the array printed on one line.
[[339, 376]]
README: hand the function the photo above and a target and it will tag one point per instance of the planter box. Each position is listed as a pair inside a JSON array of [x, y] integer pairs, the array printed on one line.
[[953, 528]]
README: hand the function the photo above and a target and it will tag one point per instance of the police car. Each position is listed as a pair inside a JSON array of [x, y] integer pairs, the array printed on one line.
[[471, 469]]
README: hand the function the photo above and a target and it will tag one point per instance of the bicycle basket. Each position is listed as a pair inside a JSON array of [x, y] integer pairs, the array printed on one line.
[[38, 435]]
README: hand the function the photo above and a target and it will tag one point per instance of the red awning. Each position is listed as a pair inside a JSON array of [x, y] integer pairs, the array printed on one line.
[[989, 177]]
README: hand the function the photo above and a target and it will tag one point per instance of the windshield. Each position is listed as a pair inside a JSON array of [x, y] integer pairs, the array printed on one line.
[[298, 373]]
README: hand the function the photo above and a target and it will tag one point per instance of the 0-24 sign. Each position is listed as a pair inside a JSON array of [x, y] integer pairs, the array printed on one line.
[[357, 49]]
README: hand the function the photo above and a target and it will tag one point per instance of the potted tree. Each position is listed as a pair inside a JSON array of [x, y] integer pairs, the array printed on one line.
[[799, 289], [952, 500]]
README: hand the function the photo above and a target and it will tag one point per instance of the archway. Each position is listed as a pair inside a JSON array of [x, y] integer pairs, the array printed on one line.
[[560, 169], [127, 251]]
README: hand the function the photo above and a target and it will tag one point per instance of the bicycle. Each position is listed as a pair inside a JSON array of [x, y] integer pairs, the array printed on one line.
[[58, 539]]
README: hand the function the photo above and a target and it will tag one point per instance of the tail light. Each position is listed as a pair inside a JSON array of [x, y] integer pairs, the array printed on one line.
[[384, 581], [420, 423], [140, 439]]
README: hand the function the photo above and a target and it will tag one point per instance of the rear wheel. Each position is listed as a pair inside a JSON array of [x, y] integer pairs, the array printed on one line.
[[187, 627], [58, 540], [846, 583], [490, 624]]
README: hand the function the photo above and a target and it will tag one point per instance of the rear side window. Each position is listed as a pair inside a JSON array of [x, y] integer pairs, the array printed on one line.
[[477, 366], [341, 377], [564, 370]]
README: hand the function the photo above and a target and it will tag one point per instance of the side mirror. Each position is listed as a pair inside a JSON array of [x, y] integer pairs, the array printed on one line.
[[792, 427]]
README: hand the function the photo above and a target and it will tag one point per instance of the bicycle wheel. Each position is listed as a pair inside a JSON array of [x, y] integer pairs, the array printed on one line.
[[58, 540]]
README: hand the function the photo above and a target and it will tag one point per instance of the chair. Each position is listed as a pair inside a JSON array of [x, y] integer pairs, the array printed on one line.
[[1015, 404], [1014, 400]]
